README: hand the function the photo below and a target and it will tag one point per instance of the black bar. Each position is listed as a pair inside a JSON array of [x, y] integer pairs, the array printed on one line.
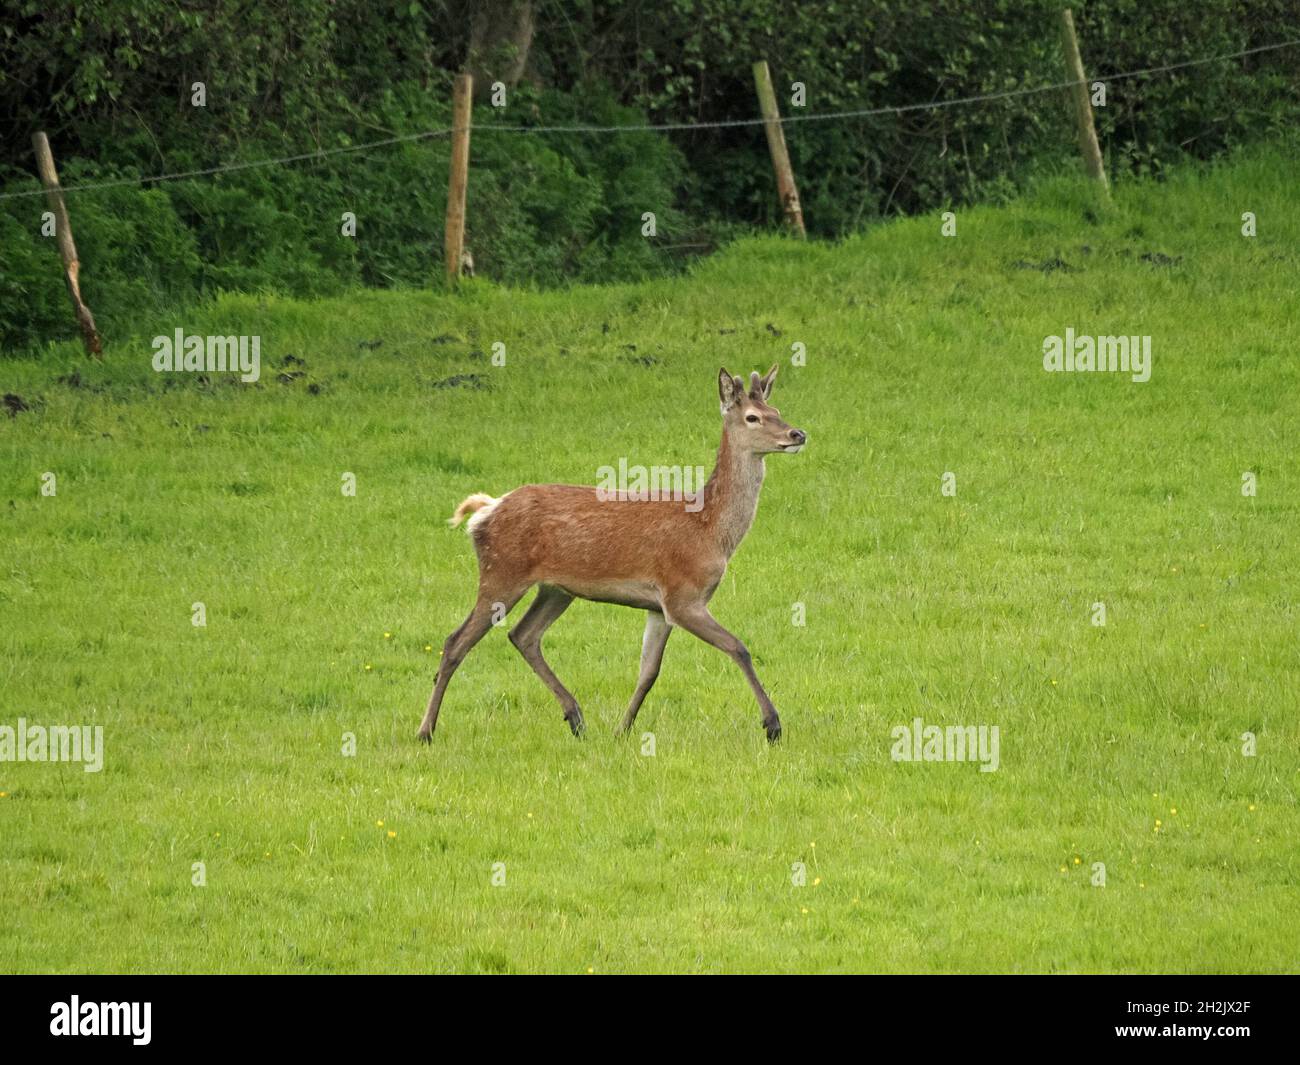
[[338, 1013]]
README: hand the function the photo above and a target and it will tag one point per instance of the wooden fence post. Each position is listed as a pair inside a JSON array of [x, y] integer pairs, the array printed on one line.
[[1088, 146], [67, 249], [785, 185], [460, 120]]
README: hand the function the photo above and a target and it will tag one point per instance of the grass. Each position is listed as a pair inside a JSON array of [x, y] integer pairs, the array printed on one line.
[[325, 612]]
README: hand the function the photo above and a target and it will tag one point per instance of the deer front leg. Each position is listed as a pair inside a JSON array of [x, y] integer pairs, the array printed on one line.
[[657, 631], [695, 618]]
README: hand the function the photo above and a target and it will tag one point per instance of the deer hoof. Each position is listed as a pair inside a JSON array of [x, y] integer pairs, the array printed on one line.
[[577, 726], [425, 737], [774, 732]]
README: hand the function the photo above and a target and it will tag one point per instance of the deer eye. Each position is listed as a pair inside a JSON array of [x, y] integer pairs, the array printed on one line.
[[751, 418]]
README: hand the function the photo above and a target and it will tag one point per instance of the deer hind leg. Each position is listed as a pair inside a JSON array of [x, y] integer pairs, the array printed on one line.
[[695, 618], [492, 605], [657, 631], [550, 603]]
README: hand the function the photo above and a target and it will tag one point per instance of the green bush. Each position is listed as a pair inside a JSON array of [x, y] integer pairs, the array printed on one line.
[[544, 209], [137, 259]]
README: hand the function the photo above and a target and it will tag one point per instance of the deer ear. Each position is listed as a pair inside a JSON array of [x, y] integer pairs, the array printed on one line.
[[766, 384], [729, 389]]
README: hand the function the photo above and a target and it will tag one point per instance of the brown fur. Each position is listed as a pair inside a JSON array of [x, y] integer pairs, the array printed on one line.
[[658, 556]]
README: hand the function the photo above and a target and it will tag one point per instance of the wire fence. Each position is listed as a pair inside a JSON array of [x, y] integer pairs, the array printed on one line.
[[675, 127]]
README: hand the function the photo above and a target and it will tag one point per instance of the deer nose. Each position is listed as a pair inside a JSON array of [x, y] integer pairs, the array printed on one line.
[[798, 436]]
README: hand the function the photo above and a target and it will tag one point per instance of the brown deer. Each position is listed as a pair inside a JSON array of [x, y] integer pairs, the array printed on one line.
[[655, 555]]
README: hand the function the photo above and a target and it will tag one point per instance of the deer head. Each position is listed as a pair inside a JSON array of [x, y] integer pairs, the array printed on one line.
[[751, 423]]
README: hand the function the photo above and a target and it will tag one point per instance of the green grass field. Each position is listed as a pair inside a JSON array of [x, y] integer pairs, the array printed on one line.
[[1120, 744]]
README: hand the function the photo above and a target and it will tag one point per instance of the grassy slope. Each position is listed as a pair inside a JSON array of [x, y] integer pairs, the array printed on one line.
[[923, 357]]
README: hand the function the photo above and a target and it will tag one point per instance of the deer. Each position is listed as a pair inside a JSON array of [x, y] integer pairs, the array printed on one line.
[[656, 555]]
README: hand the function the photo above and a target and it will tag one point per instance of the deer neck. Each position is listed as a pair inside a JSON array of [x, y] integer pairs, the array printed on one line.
[[731, 494]]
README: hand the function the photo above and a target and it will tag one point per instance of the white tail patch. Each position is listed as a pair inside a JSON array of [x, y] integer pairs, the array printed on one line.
[[478, 506]]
